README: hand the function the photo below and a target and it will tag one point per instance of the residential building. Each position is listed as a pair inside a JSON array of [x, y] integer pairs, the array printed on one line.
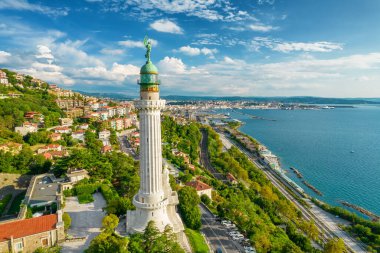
[[55, 136], [78, 135], [3, 78], [74, 112], [11, 147], [83, 126], [29, 234], [200, 187], [106, 149], [231, 178], [66, 121], [62, 130], [26, 128], [105, 134], [50, 147], [75, 175]]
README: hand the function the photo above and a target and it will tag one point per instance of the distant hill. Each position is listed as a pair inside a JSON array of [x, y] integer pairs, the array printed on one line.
[[298, 100], [286, 100]]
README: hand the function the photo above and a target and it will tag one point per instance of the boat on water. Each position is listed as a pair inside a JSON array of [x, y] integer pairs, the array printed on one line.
[[352, 151]]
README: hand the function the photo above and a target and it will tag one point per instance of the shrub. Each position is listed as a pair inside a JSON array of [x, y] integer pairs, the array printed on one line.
[[66, 220], [205, 199], [85, 198]]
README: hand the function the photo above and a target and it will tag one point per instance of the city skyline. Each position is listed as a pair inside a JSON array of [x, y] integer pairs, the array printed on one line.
[[220, 48]]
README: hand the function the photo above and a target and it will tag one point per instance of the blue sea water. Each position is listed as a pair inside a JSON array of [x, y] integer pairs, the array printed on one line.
[[319, 143]]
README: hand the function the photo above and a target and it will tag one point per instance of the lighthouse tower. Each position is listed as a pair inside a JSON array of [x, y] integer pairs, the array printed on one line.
[[155, 200]]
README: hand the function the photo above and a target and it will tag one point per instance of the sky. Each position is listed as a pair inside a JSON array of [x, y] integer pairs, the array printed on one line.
[[201, 47]]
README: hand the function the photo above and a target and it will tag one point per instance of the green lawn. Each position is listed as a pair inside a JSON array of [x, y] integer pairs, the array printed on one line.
[[197, 241], [15, 206], [85, 198]]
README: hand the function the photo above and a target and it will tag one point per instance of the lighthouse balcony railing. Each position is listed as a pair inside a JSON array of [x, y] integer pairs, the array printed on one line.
[[138, 204]]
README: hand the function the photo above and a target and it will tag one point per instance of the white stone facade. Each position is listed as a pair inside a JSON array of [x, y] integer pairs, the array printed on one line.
[[155, 200]]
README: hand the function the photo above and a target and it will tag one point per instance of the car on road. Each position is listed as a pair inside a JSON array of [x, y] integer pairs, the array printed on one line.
[[226, 222], [233, 233], [231, 225], [237, 237], [249, 249], [218, 250]]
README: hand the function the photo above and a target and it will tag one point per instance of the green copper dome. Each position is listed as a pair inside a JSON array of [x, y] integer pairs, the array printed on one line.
[[149, 68]]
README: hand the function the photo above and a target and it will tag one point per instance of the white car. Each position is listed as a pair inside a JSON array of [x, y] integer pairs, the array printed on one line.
[[231, 225], [233, 233], [226, 222]]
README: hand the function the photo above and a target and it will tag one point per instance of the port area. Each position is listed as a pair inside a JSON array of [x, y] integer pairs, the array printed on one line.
[[328, 224]]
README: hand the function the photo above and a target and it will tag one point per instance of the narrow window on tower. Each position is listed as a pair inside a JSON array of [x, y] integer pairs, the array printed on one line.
[[149, 98], [152, 214]]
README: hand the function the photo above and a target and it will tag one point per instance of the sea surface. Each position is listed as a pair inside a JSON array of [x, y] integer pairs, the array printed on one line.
[[336, 150]]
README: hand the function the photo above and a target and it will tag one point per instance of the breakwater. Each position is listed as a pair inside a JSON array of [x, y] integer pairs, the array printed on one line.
[[373, 216], [298, 174]]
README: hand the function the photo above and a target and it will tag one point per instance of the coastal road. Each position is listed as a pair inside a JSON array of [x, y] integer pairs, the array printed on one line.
[[205, 160], [216, 233], [326, 222]]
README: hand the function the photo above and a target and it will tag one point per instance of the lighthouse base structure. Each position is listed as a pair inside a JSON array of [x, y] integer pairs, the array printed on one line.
[[162, 213]]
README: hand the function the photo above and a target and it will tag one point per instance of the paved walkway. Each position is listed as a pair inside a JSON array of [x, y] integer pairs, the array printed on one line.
[[332, 223], [86, 221]]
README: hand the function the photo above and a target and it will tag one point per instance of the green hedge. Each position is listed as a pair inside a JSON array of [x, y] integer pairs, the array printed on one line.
[[4, 202], [85, 198]]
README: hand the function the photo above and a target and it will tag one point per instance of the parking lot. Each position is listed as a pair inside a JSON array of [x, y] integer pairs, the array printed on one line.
[[222, 236]]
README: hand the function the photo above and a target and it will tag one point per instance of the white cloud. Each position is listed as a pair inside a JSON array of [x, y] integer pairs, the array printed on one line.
[[44, 52], [136, 43], [172, 65], [192, 51], [211, 10], [166, 26], [109, 51], [118, 72], [286, 47], [350, 76], [262, 28], [4, 56], [24, 5]]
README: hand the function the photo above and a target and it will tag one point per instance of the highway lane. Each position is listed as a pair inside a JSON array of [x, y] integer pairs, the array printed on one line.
[[216, 234]]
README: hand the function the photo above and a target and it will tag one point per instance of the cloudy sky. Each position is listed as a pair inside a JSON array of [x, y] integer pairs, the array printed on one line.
[[201, 47]]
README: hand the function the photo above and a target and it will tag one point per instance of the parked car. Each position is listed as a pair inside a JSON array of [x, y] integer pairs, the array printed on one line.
[[218, 250]]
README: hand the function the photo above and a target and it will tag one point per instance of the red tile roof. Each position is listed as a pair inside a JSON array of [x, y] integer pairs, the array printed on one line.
[[32, 226], [230, 177], [198, 185]]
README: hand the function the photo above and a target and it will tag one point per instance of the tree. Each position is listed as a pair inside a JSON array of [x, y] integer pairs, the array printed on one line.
[[66, 220], [54, 249], [335, 245], [188, 207], [109, 223], [205, 199], [153, 241], [108, 242]]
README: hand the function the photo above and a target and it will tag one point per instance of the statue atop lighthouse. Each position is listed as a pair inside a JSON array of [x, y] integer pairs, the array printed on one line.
[[155, 200]]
